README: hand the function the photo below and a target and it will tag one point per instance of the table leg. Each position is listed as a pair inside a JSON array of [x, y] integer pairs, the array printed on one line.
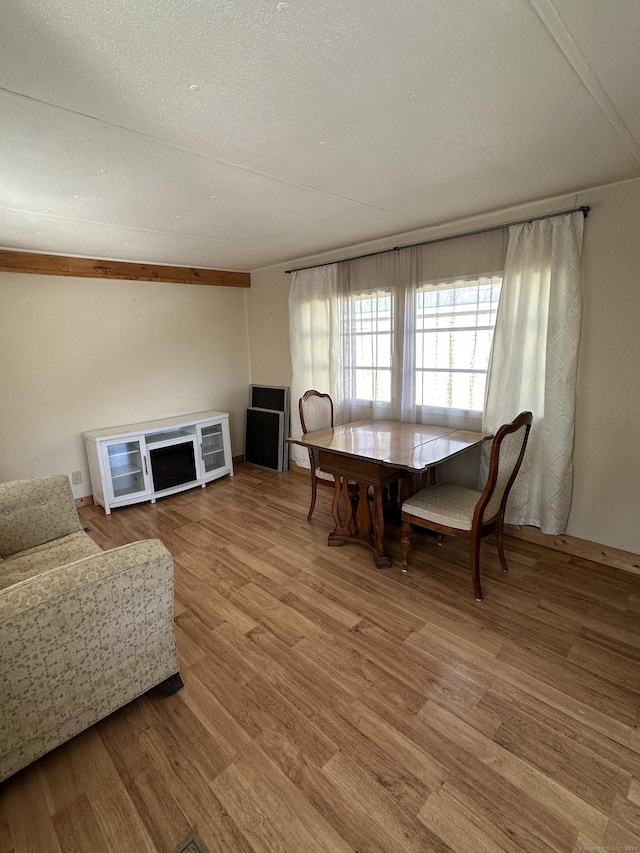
[[363, 513], [343, 527], [369, 525], [378, 528], [407, 489]]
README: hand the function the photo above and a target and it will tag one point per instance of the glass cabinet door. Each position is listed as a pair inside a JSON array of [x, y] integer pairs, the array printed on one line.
[[212, 447], [127, 464]]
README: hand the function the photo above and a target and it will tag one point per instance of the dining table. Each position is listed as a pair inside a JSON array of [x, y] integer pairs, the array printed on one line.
[[371, 459]]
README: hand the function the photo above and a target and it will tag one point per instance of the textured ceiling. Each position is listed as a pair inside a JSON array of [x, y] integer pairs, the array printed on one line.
[[235, 135]]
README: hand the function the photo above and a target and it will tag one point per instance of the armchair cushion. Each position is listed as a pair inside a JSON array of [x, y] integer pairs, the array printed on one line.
[[36, 560]]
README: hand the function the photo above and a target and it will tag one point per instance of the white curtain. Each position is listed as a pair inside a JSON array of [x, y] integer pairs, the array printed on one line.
[[314, 337], [534, 362]]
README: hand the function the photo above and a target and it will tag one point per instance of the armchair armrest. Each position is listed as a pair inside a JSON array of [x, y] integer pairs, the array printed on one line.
[[85, 575]]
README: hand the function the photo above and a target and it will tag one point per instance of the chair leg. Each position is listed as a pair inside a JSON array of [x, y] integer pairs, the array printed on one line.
[[500, 544], [406, 545], [475, 566], [314, 488]]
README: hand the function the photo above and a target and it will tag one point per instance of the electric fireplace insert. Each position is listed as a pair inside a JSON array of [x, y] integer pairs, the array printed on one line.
[[173, 465]]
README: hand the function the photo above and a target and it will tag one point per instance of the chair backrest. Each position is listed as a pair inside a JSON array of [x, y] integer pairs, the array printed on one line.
[[36, 511], [316, 411], [507, 452]]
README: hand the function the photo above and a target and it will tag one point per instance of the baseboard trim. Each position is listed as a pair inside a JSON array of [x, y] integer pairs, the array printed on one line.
[[87, 500], [582, 548], [299, 469]]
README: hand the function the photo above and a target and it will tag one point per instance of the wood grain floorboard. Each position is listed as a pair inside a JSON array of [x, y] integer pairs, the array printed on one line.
[[330, 707]]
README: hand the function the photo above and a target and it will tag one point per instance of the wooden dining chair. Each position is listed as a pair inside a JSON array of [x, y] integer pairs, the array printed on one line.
[[454, 510], [316, 412]]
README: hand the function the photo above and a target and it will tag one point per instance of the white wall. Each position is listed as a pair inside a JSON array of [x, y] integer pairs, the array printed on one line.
[[606, 503], [82, 354]]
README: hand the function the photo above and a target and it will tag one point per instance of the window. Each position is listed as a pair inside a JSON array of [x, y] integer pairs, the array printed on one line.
[[453, 332], [438, 350], [369, 346]]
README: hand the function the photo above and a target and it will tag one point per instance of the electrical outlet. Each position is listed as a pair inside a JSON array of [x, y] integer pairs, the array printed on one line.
[[76, 478]]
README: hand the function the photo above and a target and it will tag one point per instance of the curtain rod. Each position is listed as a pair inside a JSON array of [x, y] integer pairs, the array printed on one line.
[[584, 209]]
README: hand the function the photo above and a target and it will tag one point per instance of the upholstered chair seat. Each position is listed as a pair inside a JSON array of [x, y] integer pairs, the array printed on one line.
[[445, 503]]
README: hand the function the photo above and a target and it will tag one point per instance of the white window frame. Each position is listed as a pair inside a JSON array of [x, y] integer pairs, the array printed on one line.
[[353, 332], [403, 369], [493, 281]]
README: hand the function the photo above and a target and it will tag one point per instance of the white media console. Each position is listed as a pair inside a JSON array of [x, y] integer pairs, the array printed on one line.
[[148, 460]]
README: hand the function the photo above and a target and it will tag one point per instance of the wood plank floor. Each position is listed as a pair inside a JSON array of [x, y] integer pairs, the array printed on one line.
[[329, 706]]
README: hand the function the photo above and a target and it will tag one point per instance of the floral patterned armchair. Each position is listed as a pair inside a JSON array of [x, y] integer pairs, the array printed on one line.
[[82, 631]]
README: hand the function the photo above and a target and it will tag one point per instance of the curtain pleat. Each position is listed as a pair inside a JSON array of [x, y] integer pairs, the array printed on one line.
[[314, 338], [534, 363]]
